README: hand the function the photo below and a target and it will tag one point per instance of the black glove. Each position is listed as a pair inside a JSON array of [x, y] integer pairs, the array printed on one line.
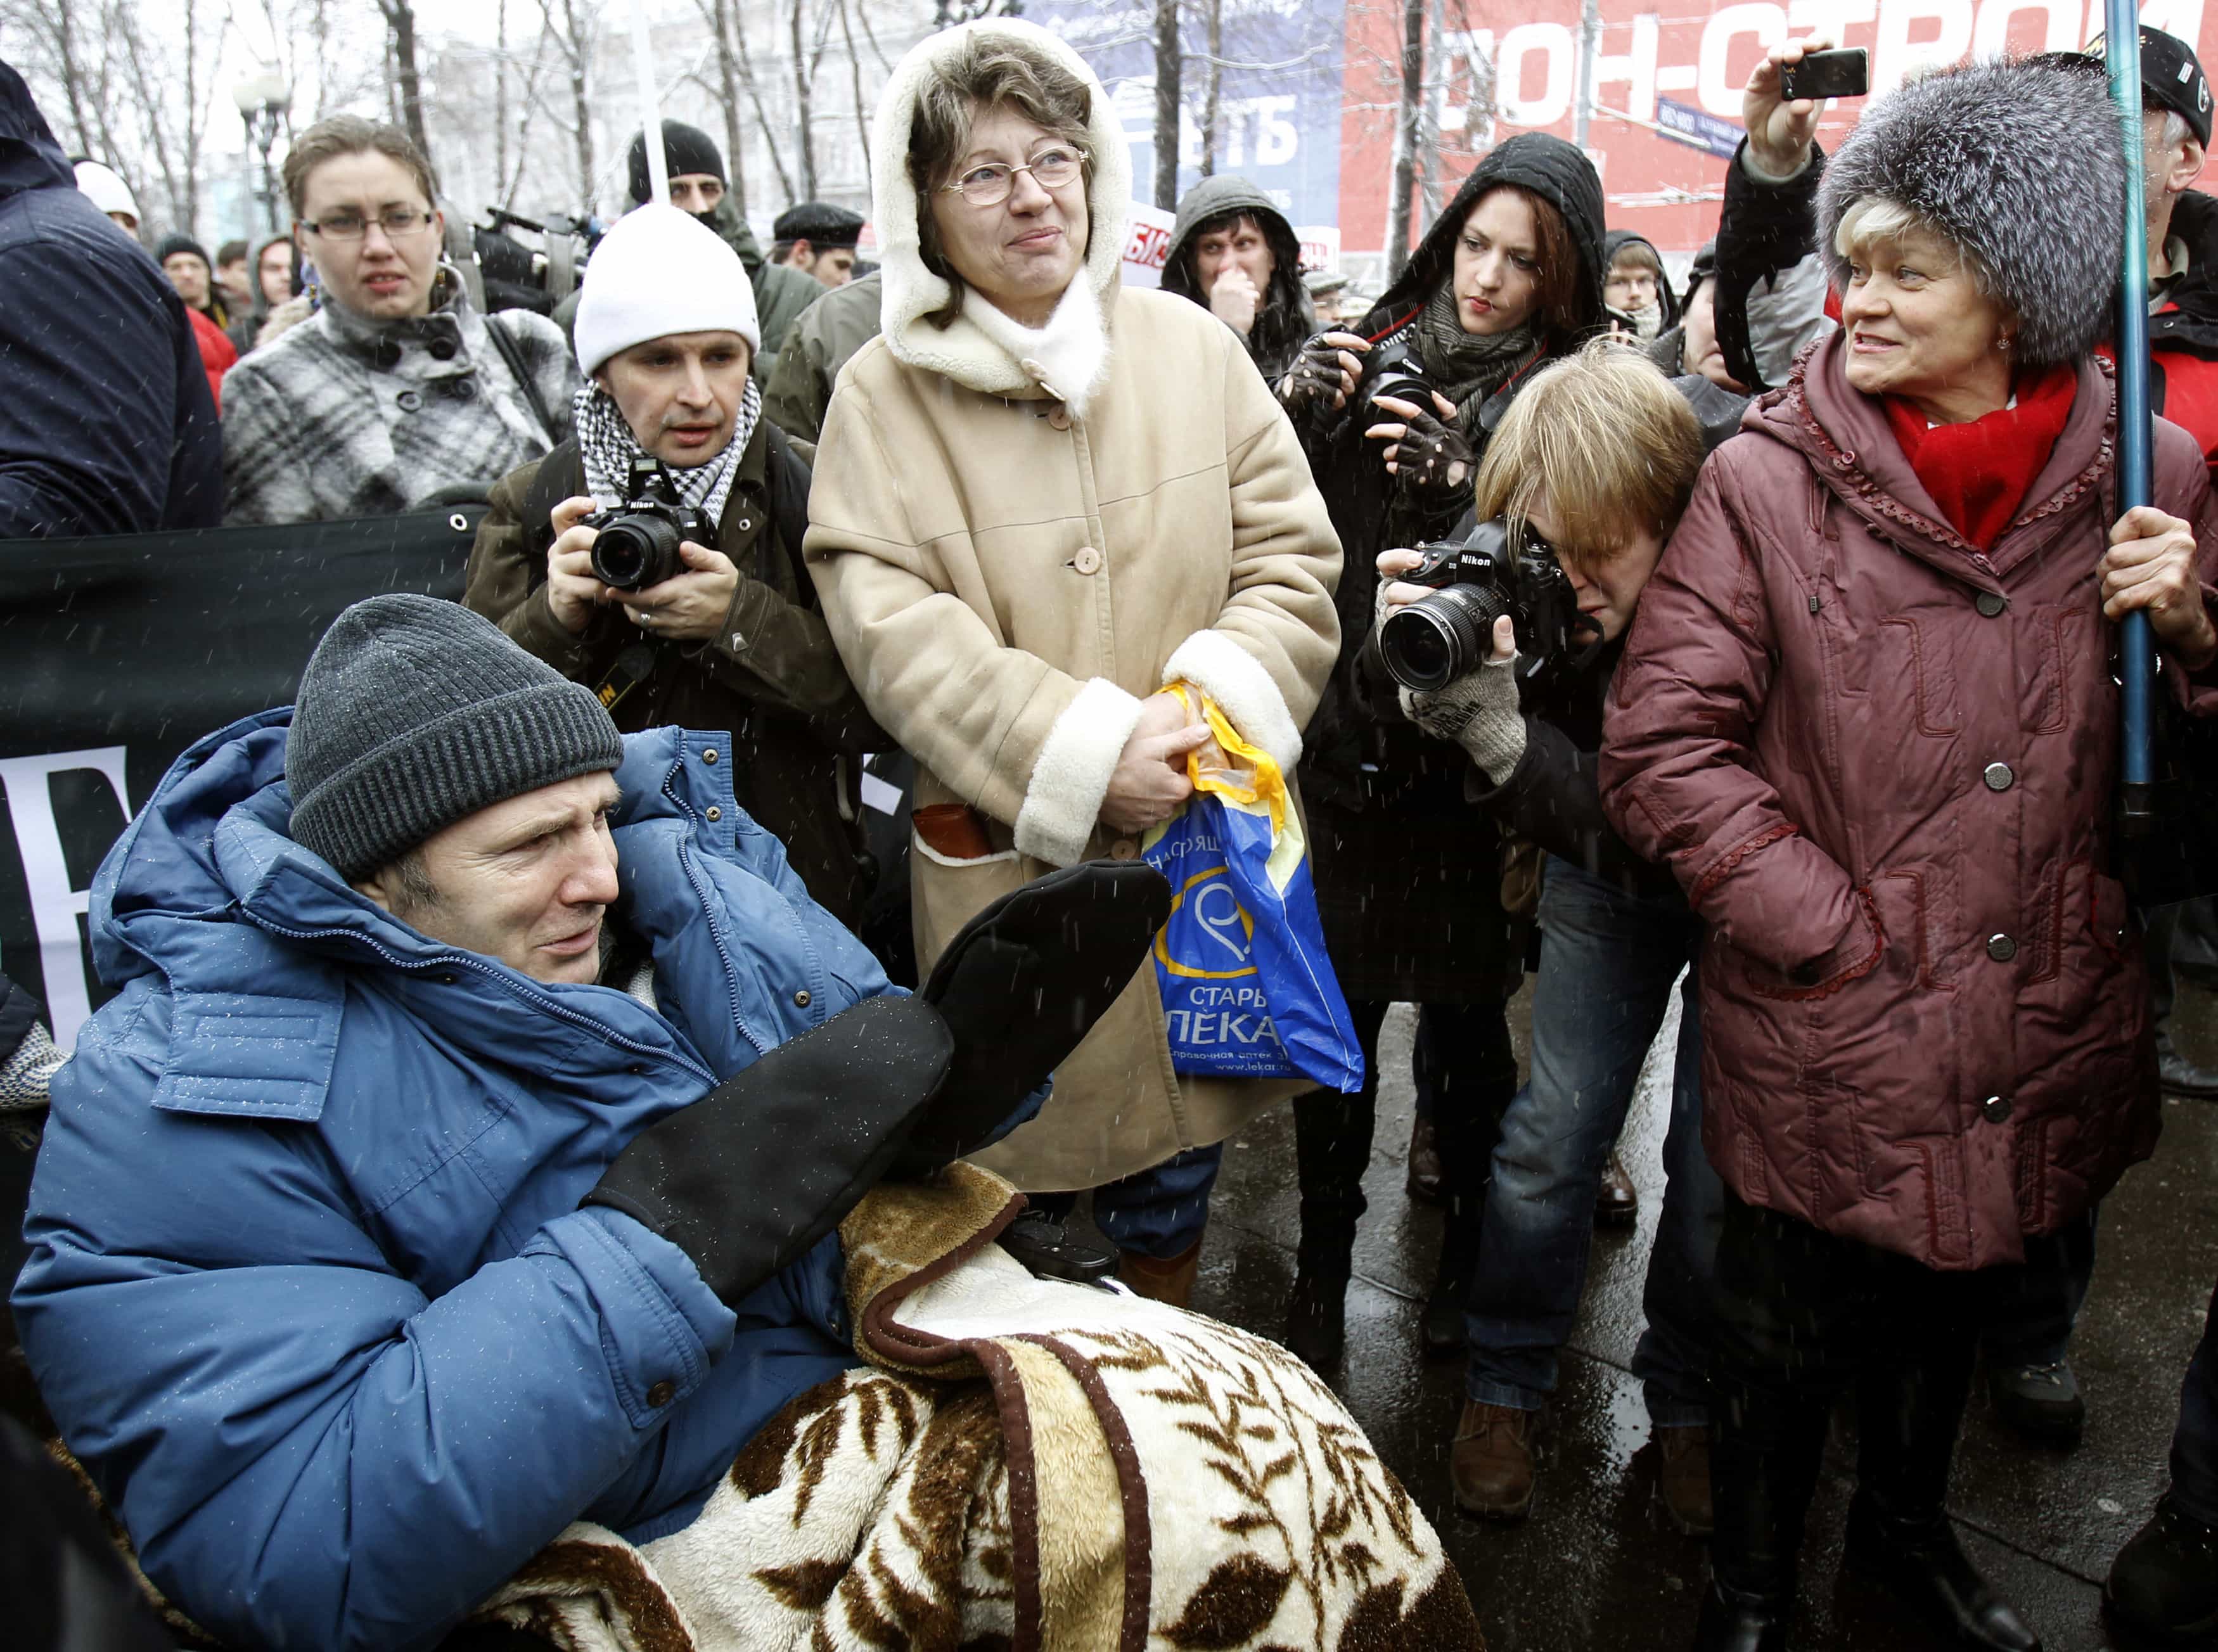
[[1023, 982], [1315, 375], [764, 1166], [1433, 457]]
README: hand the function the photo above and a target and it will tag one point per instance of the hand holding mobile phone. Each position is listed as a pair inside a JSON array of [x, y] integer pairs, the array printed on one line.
[[1821, 74]]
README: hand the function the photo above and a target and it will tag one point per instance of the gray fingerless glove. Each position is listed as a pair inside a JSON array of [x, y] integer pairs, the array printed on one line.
[[1479, 712]]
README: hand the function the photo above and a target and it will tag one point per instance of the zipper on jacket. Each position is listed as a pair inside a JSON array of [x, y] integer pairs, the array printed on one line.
[[503, 979], [708, 910]]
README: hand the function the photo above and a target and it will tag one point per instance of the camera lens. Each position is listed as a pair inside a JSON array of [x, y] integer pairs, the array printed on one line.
[[1430, 644], [636, 550]]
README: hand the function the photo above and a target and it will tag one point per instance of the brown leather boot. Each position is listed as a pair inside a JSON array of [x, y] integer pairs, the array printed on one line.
[[1161, 1280], [1491, 1462], [1617, 1202], [1683, 1475]]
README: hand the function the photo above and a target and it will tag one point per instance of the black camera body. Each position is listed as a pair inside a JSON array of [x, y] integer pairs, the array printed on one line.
[[1428, 644], [1399, 373], [636, 545]]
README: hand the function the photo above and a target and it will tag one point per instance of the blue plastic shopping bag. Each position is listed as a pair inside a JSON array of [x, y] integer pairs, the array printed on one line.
[[1248, 992]]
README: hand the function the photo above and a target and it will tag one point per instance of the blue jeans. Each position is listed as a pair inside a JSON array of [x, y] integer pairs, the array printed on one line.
[[1608, 959], [1158, 1212]]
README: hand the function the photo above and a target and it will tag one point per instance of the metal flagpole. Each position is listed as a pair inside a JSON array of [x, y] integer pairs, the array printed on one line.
[[650, 108], [2136, 644]]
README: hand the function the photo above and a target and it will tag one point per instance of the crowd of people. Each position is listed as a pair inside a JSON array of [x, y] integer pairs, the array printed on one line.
[[423, 980]]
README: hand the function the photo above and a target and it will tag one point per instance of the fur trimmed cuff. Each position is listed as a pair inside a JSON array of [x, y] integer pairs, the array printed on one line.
[[1243, 691], [1071, 774]]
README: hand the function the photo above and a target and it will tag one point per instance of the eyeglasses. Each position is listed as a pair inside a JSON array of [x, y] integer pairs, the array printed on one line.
[[395, 221], [988, 185]]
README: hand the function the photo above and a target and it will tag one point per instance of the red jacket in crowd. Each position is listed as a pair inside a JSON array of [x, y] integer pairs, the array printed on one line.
[[1881, 763], [217, 352]]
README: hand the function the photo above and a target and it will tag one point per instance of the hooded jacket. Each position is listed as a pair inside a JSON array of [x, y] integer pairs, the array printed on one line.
[[246, 329], [1881, 764], [1667, 301], [1020, 533], [1287, 318], [1408, 879], [310, 1294], [107, 426]]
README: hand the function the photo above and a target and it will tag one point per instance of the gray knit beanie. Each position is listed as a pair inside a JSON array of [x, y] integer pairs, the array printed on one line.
[[414, 713], [2021, 164]]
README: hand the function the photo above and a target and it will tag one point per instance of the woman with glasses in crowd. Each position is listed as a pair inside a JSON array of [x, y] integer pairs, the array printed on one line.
[[399, 388], [1409, 875], [1038, 500]]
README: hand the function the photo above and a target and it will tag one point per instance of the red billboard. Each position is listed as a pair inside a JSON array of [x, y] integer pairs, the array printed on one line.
[[1499, 68]]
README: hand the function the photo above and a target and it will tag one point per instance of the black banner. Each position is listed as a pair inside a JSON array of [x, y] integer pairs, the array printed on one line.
[[120, 652]]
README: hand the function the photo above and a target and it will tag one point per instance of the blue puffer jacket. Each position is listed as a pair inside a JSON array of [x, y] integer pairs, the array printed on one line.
[[310, 1292]]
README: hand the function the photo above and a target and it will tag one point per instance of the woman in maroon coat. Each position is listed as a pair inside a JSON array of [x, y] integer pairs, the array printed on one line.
[[1866, 714]]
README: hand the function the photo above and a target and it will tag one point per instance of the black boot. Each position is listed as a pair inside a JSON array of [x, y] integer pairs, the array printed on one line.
[[1445, 1329], [1332, 1145], [1050, 1250], [2164, 1584], [1763, 1471], [1316, 1319], [1730, 1624], [1898, 1529], [1922, 1563]]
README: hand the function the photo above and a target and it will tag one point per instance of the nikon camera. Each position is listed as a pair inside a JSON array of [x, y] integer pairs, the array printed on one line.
[[1430, 643], [638, 541]]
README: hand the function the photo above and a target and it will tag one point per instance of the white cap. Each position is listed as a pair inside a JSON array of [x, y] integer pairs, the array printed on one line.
[[661, 271], [109, 192]]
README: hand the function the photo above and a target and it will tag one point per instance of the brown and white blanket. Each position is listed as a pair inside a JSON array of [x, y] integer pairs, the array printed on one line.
[[1025, 1465]]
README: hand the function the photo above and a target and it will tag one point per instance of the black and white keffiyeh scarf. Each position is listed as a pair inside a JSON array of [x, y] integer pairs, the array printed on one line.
[[607, 446]]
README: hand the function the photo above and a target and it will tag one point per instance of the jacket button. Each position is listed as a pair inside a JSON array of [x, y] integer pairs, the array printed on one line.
[[1996, 1108], [745, 523], [2001, 948], [1125, 849], [443, 349], [709, 756], [662, 1394], [408, 401], [1990, 603], [800, 999], [715, 813], [1997, 777], [1059, 416], [1088, 560]]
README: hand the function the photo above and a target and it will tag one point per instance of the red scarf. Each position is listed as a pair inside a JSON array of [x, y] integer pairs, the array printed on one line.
[[1979, 472]]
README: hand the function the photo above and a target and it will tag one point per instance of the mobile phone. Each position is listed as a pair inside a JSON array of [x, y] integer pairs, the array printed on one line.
[[1821, 74]]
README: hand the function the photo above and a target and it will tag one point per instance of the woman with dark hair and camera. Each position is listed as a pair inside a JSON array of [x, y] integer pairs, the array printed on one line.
[[655, 556], [1867, 717], [1581, 483], [1409, 879], [1042, 499]]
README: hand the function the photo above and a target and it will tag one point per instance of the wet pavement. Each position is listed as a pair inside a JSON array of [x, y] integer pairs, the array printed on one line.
[[1596, 1567]]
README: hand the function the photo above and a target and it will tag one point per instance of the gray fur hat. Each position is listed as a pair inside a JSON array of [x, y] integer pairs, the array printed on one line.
[[2021, 164]]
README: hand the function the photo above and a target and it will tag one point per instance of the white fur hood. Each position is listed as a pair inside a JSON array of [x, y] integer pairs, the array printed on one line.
[[983, 350]]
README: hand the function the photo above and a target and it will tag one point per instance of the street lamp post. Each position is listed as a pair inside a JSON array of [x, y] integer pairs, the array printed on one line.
[[263, 99]]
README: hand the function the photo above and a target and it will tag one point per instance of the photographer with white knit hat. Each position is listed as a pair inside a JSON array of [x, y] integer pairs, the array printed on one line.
[[666, 332]]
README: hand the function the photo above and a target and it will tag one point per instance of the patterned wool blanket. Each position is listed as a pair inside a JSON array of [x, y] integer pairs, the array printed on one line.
[[1025, 1465]]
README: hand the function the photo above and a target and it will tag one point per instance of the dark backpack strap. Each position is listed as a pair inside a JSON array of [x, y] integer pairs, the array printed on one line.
[[561, 475], [524, 381], [788, 480]]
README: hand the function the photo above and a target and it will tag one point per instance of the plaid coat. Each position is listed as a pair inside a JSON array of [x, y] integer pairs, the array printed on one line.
[[343, 417]]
